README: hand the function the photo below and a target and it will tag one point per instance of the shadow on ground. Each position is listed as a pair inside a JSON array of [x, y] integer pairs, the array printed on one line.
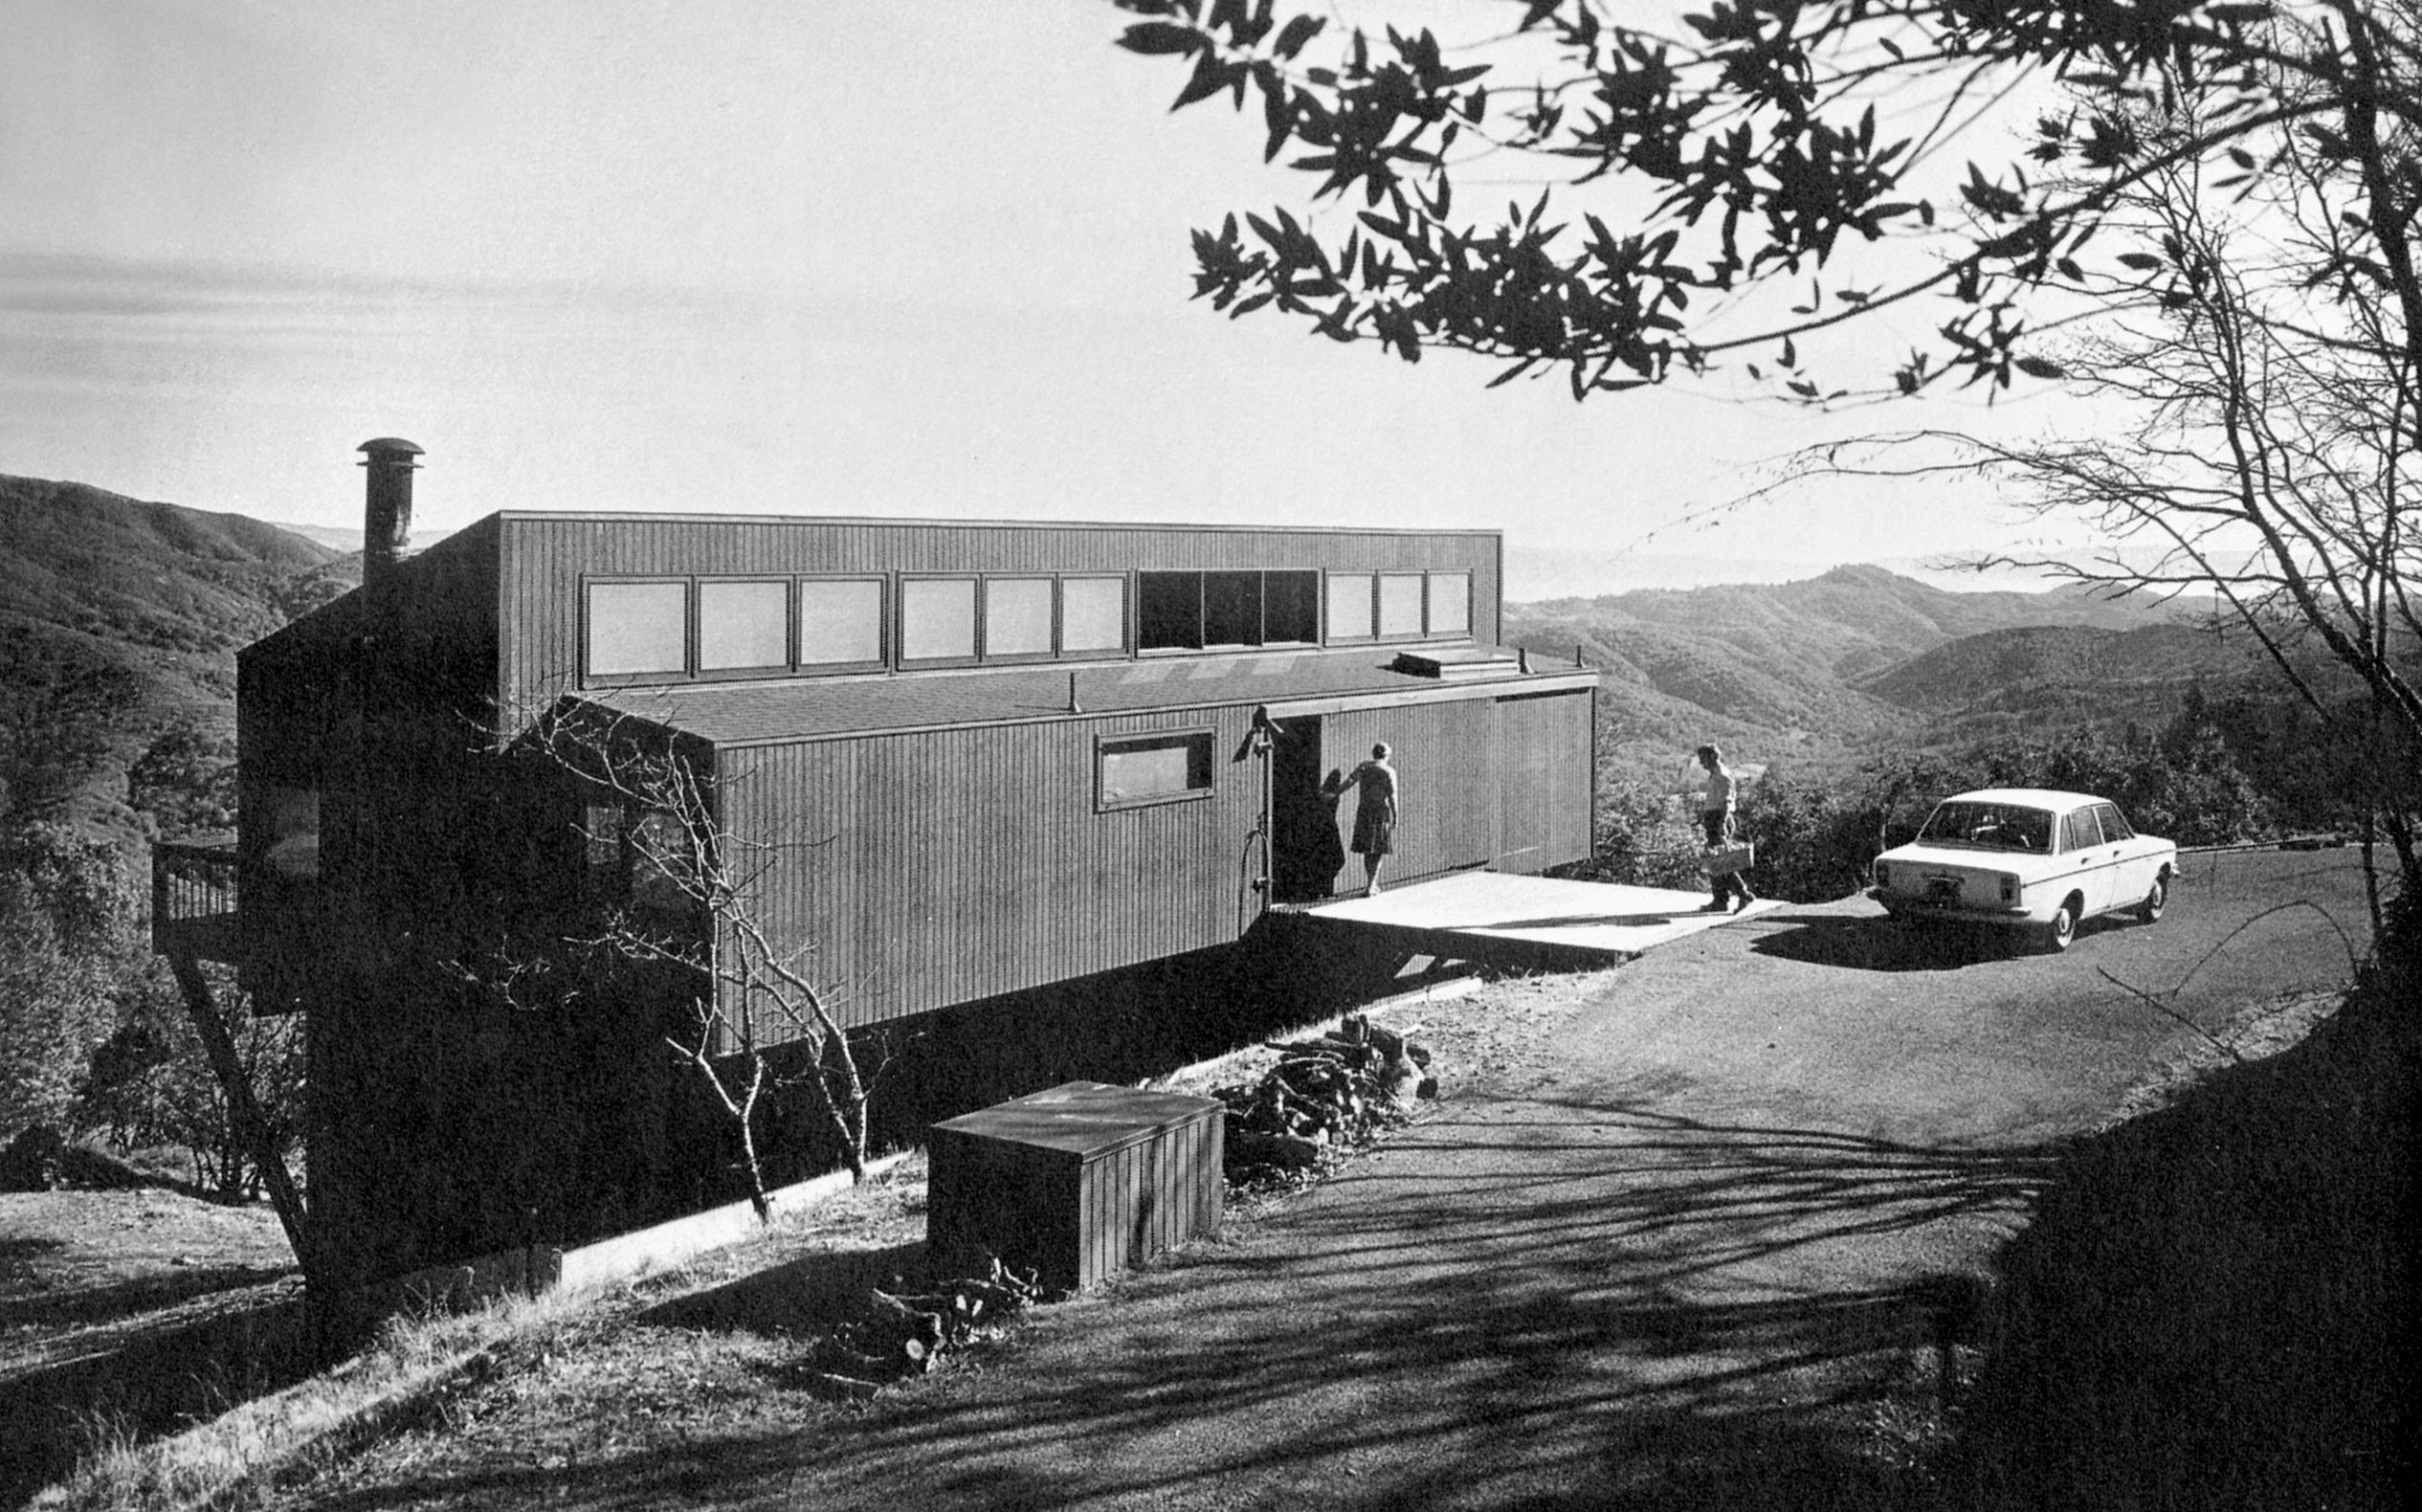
[[1538, 1304], [1889, 945]]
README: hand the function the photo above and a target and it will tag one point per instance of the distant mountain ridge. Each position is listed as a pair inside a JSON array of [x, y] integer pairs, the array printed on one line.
[[1860, 655], [120, 619]]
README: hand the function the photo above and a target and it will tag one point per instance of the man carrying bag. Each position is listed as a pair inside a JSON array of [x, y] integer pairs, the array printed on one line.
[[1724, 859]]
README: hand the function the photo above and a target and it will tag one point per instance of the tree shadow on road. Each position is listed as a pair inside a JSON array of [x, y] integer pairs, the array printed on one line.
[[1540, 1304]]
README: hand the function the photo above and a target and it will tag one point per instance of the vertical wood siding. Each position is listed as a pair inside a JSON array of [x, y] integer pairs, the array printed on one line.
[[543, 561], [934, 868], [1545, 797]]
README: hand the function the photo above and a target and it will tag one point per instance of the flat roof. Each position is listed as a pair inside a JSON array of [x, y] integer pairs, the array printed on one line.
[[674, 516], [791, 709]]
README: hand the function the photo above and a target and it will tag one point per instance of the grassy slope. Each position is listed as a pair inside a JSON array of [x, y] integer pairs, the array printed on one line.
[[2216, 1304]]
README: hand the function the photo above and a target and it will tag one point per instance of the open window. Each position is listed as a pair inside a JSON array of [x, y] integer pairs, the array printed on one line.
[[1162, 767]]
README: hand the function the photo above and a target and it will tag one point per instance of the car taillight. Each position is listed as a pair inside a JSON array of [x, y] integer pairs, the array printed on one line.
[[2010, 889], [1883, 875]]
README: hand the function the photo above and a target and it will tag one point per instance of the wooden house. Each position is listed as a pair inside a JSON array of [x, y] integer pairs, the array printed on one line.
[[983, 756]]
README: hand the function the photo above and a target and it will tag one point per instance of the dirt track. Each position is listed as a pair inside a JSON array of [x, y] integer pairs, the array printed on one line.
[[1672, 1243]]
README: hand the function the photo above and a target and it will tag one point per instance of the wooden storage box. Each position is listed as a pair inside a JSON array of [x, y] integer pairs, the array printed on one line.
[[1077, 1182]]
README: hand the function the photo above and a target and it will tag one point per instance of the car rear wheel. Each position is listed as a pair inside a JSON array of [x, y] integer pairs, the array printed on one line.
[[2063, 927], [2150, 909]]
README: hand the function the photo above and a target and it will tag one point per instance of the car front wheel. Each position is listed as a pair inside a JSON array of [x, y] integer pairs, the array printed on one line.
[[2063, 927], [2150, 909]]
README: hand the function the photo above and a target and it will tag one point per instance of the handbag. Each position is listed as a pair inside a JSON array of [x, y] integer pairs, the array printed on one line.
[[1722, 860]]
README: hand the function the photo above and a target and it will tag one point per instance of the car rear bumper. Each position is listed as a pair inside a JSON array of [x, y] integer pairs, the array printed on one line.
[[1906, 906]]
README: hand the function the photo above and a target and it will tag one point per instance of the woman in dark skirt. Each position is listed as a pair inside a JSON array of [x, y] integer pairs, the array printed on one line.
[[1375, 813]]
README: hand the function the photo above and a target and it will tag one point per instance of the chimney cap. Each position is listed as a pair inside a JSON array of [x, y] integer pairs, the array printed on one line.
[[389, 446]]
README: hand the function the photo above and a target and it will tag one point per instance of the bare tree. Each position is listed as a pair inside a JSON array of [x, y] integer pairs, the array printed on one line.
[[2260, 410], [694, 907]]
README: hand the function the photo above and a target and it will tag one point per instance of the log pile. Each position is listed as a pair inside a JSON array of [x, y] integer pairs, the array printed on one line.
[[1324, 1096], [903, 1335]]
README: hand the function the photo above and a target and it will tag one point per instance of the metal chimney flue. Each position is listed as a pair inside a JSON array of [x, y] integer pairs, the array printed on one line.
[[386, 521]]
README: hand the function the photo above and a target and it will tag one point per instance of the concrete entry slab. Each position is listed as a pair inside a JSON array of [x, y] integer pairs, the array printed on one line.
[[1501, 915]]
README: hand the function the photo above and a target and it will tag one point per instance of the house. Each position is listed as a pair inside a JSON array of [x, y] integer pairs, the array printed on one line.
[[980, 757]]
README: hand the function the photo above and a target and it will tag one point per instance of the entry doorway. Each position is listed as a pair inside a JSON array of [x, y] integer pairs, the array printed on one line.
[[1306, 852]]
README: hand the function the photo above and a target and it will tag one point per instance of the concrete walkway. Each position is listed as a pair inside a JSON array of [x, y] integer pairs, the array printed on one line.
[[1568, 919]]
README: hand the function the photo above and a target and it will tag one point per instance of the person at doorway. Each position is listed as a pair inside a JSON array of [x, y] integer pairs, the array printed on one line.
[[1716, 817], [1375, 784]]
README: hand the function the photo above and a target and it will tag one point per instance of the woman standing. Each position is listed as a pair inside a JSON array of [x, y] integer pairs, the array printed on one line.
[[1716, 819], [1374, 811]]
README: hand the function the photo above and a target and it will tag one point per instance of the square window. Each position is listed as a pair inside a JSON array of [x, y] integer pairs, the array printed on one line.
[[1232, 609], [1170, 611], [1291, 608], [1154, 768], [841, 621], [1017, 617], [1349, 606], [1450, 602], [635, 629], [743, 624], [1093, 613], [1399, 604], [937, 619]]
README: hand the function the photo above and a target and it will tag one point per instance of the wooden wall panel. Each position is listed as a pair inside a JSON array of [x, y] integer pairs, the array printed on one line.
[[543, 558], [936, 868], [1545, 797]]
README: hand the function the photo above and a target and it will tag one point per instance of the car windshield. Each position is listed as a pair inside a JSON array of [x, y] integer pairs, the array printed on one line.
[[1995, 826]]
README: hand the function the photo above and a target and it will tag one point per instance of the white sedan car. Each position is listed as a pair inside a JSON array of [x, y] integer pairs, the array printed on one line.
[[2025, 857]]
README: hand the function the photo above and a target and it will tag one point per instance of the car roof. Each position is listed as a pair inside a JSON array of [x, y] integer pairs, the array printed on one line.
[[2028, 797]]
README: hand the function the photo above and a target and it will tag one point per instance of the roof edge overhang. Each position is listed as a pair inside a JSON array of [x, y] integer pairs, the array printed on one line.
[[674, 516], [1534, 684]]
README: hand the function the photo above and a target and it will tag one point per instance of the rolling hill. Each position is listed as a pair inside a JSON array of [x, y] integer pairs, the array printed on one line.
[[119, 622], [1825, 668]]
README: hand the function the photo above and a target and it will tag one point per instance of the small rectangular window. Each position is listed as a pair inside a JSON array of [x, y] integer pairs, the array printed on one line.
[[1450, 602], [743, 624], [1093, 614], [1399, 604], [937, 619], [1017, 617], [1170, 611], [840, 622], [2114, 828], [1349, 606], [638, 629], [2078, 831], [1290, 608], [1156, 767]]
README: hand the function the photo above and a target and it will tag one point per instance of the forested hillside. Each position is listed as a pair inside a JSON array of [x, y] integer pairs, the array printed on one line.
[[119, 626]]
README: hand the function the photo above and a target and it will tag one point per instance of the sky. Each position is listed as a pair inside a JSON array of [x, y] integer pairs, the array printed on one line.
[[905, 259]]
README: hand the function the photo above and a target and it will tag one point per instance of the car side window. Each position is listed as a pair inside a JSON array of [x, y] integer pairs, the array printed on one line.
[[2079, 830], [2113, 827]]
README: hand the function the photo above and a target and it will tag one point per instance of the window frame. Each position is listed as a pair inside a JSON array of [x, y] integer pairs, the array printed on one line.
[[1059, 616], [1378, 606], [1429, 604], [699, 672], [686, 672], [983, 620], [899, 646], [885, 649], [1191, 735], [1328, 631]]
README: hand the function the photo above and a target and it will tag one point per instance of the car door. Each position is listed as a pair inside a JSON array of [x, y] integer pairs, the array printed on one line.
[[2083, 848], [2132, 878]]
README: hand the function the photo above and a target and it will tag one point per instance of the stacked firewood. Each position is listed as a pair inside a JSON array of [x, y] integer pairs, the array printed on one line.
[[900, 1335], [1324, 1096]]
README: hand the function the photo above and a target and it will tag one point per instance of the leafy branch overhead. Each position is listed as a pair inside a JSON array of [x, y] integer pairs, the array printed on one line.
[[1774, 167]]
